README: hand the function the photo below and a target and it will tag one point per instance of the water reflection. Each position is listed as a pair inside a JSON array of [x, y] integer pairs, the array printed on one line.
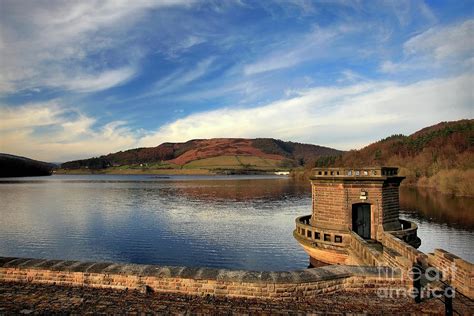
[[443, 221], [239, 223], [223, 222], [440, 208], [242, 190]]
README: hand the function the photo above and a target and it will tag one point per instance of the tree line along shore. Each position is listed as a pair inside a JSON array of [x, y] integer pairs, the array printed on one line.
[[438, 157]]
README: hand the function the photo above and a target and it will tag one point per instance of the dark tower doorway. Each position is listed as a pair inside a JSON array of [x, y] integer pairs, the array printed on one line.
[[361, 219]]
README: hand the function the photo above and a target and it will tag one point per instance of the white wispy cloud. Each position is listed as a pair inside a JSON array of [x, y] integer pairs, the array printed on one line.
[[53, 132], [29, 116], [41, 42], [342, 117], [439, 46], [443, 42], [184, 45], [180, 78], [349, 75], [290, 53], [96, 45], [353, 36], [406, 11], [93, 82]]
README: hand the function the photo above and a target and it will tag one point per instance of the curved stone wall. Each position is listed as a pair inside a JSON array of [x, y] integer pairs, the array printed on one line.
[[200, 281], [329, 237]]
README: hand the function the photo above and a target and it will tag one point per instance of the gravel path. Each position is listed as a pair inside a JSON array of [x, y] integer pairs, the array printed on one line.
[[24, 298]]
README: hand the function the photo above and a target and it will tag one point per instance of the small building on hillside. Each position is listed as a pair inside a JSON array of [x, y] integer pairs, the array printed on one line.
[[352, 205]]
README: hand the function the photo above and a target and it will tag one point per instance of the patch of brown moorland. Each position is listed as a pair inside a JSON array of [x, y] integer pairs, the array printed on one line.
[[207, 148]]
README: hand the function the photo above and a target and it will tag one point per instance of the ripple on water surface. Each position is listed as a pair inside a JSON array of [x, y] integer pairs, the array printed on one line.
[[239, 222], [222, 222]]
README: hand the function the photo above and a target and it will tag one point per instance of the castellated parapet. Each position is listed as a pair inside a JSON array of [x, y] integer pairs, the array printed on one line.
[[348, 203]]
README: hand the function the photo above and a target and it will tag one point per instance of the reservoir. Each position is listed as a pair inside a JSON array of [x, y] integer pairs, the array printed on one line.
[[235, 222]]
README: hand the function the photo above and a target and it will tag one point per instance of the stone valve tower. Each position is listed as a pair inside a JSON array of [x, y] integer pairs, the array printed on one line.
[[352, 205]]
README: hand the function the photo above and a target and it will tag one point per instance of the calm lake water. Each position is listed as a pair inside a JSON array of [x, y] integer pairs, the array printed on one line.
[[238, 222]]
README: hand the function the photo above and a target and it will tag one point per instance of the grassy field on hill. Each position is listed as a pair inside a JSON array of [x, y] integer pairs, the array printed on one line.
[[201, 166], [266, 153], [234, 162]]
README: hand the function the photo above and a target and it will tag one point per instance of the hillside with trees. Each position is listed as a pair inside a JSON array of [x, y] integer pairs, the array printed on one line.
[[261, 153], [16, 166], [439, 157]]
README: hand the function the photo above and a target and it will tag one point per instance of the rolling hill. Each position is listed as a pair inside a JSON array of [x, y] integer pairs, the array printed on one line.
[[16, 166], [217, 153], [439, 156]]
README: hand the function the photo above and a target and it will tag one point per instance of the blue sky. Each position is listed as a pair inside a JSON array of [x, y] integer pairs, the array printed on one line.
[[85, 78]]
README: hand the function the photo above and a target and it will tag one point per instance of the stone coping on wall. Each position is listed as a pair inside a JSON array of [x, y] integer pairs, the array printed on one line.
[[283, 285], [302, 276], [457, 271]]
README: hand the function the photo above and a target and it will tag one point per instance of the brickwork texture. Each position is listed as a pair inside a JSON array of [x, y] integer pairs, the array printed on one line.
[[200, 281]]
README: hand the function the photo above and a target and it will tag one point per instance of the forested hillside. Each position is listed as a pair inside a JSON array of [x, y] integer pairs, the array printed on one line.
[[16, 166], [440, 156], [265, 152]]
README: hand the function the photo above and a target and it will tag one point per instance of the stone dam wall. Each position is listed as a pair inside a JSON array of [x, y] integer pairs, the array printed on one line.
[[201, 281], [456, 271]]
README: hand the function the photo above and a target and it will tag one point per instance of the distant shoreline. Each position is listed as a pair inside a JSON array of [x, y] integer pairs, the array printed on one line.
[[454, 182], [302, 175], [113, 171], [135, 171]]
